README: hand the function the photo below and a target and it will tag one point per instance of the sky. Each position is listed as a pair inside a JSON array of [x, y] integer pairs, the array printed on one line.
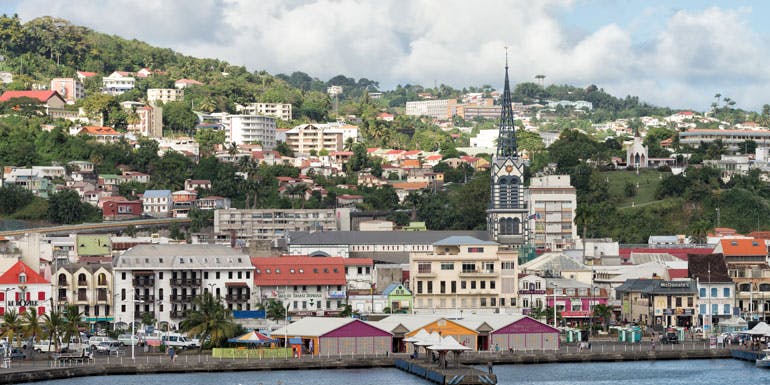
[[669, 53]]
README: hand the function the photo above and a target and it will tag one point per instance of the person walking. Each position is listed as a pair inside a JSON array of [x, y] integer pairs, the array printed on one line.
[[172, 354], [652, 343]]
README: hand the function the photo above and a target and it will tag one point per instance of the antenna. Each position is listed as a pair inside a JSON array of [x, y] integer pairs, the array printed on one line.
[[506, 56]]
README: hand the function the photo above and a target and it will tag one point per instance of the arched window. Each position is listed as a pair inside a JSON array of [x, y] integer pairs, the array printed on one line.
[[62, 279], [102, 279], [81, 279]]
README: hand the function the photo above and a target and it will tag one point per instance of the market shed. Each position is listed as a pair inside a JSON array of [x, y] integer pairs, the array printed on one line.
[[337, 336]]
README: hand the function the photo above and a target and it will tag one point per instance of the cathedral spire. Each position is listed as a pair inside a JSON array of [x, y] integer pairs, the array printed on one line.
[[506, 141]]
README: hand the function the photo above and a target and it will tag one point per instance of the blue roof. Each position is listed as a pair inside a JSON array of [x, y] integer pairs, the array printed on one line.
[[156, 193], [457, 240], [391, 287]]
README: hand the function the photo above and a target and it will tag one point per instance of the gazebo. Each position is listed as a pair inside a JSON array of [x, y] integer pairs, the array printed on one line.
[[448, 344], [421, 335], [430, 340]]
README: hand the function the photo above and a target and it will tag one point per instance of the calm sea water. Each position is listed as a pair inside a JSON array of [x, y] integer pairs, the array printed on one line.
[[700, 372]]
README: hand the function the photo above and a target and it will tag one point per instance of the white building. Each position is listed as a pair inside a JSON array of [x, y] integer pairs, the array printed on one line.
[[277, 110], [486, 139], [164, 280], [164, 95], [438, 109], [552, 201], [22, 289], [250, 129], [273, 224], [532, 294], [117, 83], [157, 203]]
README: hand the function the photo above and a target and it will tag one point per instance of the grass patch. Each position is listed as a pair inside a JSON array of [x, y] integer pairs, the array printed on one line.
[[35, 210], [647, 180]]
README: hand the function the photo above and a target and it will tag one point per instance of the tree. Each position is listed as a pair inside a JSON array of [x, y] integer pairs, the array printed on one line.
[[74, 321], [65, 207], [148, 319], [315, 105], [603, 313], [275, 310], [32, 326], [12, 326], [209, 319], [179, 117], [54, 323]]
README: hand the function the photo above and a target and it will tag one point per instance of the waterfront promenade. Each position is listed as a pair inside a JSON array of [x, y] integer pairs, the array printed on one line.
[[602, 351]]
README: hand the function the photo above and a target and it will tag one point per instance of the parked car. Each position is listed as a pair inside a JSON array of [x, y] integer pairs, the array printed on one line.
[[178, 341], [108, 347], [128, 340], [95, 341], [18, 354]]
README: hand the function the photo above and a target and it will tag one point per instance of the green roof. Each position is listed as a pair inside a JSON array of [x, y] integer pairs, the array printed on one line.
[[93, 244]]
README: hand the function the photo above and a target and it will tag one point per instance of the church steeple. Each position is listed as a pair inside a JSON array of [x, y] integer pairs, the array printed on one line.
[[506, 141]]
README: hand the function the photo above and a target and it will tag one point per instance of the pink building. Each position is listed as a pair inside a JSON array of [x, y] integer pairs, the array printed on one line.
[[69, 88], [575, 300]]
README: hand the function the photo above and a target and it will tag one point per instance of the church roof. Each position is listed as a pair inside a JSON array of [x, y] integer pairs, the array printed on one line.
[[506, 142]]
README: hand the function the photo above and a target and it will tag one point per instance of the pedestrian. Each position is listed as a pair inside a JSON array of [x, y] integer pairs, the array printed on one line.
[[489, 367], [652, 343], [172, 354]]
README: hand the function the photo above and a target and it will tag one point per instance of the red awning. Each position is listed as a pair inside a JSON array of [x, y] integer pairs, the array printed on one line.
[[236, 284]]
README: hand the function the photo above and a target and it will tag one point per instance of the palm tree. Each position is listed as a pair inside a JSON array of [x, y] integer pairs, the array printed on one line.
[[603, 313], [32, 326], [74, 320], [275, 310], [207, 104], [699, 231], [55, 324], [12, 326], [209, 319]]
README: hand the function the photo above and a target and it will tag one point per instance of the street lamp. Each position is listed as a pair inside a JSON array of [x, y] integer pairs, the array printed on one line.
[[554, 305], [211, 288]]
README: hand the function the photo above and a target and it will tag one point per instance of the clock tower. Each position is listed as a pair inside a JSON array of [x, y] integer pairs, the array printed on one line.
[[507, 213]]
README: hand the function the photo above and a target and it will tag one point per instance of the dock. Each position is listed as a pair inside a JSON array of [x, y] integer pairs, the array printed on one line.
[[462, 374], [745, 355]]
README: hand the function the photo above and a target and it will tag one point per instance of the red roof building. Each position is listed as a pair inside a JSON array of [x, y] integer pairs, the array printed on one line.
[[744, 250], [114, 208], [23, 288], [308, 285]]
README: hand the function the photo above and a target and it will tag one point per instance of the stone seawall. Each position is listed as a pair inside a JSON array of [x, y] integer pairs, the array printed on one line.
[[16, 376]]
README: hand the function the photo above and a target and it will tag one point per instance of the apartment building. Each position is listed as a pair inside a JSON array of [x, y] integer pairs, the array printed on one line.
[[117, 83], [250, 129], [277, 110], [466, 273], [157, 203], [70, 89], [272, 224], [305, 138], [164, 95], [553, 201], [163, 280], [87, 286], [437, 109], [150, 122]]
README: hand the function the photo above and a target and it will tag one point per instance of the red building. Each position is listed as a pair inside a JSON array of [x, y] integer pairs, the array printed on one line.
[[121, 208]]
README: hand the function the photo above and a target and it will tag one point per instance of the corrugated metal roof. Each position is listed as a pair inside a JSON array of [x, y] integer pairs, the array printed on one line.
[[378, 237], [316, 326], [457, 240]]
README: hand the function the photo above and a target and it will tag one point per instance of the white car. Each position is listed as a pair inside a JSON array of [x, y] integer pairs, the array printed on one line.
[[128, 340]]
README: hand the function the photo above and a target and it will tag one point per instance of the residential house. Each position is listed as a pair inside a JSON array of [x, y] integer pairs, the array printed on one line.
[[83, 75], [149, 122], [164, 95], [747, 266], [117, 208], [399, 298], [183, 202], [575, 300], [277, 110], [552, 202], [195, 184], [68, 88], [532, 292], [184, 83], [359, 274], [117, 83], [101, 134], [213, 202], [261, 225], [157, 203], [348, 200]]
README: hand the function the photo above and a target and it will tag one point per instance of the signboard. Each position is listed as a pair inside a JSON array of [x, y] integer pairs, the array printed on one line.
[[335, 295], [675, 284], [712, 342]]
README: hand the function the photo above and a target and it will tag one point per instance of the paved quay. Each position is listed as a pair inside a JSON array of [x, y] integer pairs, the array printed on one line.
[[42, 370]]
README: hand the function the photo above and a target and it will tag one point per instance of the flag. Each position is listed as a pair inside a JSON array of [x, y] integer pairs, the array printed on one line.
[[535, 216]]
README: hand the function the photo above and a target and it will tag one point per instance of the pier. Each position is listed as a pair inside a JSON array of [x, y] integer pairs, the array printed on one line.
[[462, 374]]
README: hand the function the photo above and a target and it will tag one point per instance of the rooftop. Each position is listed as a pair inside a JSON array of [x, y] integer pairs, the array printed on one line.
[[378, 237]]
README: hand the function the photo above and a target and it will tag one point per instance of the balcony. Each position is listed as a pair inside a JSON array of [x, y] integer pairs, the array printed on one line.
[[187, 282], [181, 298], [146, 298], [237, 298], [178, 313], [478, 273], [427, 274], [144, 282]]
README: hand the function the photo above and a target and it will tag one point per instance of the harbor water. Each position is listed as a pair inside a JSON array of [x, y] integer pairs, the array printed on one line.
[[676, 372]]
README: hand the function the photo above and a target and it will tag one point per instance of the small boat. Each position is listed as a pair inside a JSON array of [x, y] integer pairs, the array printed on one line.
[[764, 362]]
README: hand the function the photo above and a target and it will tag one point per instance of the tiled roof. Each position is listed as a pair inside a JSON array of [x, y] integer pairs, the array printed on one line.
[[357, 261], [743, 247], [96, 130], [41, 95], [677, 273], [86, 74], [11, 276], [293, 270]]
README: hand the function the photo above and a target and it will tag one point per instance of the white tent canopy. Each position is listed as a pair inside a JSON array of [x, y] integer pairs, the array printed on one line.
[[760, 329], [432, 339], [421, 335], [448, 344]]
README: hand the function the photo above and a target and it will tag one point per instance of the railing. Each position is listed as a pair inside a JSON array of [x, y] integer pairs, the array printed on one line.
[[144, 282], [237, 298], [181, 298], [186, 282]]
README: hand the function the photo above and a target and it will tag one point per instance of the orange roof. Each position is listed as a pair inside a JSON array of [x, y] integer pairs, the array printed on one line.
[[298, 270], [96, 130], [86, 74], [11, 276], [743, 247], [188, 81], [42, 95], [357, 261], [409, 185], [415, 163]]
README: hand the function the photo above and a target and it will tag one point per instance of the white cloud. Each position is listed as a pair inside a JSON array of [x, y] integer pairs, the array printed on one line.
[[687, 56]]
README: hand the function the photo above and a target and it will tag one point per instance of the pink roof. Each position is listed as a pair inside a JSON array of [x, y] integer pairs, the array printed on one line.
[[434, 157], [372, 149], [677, 273], [86, 74], [348, 196], [412, 152], [342, 153], [41, 95], [685, 113], [96, 130], [395, 152], [358, 261], [187, 81]]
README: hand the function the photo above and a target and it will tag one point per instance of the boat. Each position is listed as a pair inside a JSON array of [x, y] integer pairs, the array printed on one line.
[[764, 362]]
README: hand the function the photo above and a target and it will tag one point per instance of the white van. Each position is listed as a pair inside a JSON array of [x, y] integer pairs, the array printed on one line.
[[94, 341]]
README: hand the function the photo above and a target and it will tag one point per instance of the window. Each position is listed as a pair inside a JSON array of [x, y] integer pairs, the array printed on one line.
[[678, 301], [447, 266], [491, 284], [160, 275], [430, 287], [473, 284], [493, 301], [475, 249], [206, 275], [230, 274], [217, 275], [469, 267], [454, 287], [442, 287], [689, 302], [360, 270], [713, 292], [419, 287], [123, 275], [463, 285], [507, 266], [483, 302], [726, 309], [703, 292], [483, 284], [423, 267], [714, 308], [489, 267], [727, 292]]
